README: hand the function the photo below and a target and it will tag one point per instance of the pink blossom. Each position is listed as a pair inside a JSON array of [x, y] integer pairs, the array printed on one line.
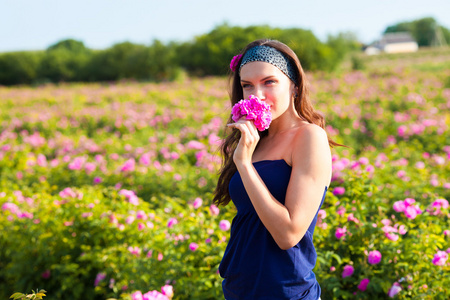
[[214, 210], [195, 145], [224, 225], [341, 211], [362, 286], [338, 191], [171, 222], [394, 290], [399, 206], [167, 290], [141, 226], [193, 246], [97, 180], [128, 166], [253, 109], [154, 295], [402, 229], [235, 62], [46, 274], [440, 258], [77, 163], [99, 278], [197, 203], [141, 215], [160, 256], [135, 250], [137, 295], [340, 232], [348, 271], [90, 167], [374, 257]]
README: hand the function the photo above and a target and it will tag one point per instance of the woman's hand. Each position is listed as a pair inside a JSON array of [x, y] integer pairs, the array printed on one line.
[[247, 143]]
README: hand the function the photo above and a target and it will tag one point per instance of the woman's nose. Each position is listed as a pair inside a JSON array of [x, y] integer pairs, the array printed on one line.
[[259, 92]]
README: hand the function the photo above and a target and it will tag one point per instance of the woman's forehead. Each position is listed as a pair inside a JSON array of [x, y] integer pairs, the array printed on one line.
[[259, 69]]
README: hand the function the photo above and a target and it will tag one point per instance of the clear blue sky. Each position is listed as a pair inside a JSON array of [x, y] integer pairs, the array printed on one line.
[[36, 24]]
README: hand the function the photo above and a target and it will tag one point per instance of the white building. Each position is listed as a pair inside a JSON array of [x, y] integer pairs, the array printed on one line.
[[397, 42]]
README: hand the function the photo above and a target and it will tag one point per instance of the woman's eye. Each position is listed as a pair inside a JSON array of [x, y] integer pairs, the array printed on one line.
[[269, 82], [245, 85]]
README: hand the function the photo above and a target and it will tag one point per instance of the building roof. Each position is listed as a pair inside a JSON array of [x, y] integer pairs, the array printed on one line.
[[397, 37]]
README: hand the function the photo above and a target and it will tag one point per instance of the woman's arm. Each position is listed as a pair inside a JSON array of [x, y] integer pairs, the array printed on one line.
[[311, 172]]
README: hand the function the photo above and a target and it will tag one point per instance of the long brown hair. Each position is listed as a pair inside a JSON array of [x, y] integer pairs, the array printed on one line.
[[302, 105]]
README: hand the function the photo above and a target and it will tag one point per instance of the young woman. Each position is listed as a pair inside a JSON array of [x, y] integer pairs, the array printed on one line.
[[276, 178]]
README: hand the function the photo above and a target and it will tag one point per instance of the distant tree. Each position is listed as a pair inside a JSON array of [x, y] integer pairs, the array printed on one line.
[[64, 61], [426, 31], [19, 67], [71, 45]]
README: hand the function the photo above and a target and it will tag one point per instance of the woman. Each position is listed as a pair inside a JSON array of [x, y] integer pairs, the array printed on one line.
[[277, 180]]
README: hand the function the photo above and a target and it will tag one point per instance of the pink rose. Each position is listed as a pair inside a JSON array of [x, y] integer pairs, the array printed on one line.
[[374, 257], [340, 232], [362, 286], [167, 290], [197, 203], [253, 109], [348, 271], [339, 191], [394, 290], [224, 225], [193, 246], [235, 62], [214, 210], [440, 258], [137, 295]]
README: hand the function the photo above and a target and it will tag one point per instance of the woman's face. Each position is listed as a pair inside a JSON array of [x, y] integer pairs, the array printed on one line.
[[268, 83]]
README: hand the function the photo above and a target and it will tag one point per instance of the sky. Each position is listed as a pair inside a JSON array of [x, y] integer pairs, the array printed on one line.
[[99, 24]]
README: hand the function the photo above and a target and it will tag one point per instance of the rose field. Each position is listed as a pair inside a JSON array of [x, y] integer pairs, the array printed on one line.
[[106, 188]]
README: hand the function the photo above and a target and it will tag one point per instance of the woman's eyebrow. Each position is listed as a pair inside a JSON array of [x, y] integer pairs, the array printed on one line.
[[265, 78]]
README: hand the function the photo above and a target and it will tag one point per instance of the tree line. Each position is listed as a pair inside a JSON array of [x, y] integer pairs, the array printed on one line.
[[208, 54]]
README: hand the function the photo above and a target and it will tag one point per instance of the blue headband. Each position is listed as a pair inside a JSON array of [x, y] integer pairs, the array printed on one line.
[[272, 56]]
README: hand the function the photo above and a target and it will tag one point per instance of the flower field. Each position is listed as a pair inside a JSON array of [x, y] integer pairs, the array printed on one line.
[[105, 189]]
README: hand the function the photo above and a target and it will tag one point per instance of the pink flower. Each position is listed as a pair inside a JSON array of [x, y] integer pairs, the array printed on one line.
[[440, 258], [141, 226], [167, 290], [374, 257], [98, 278], [135, 250], [235, 62], [193, 246], [253, 109], [394, 290], [171, 222], [362, 286], [348, 271], [46, 274], [195, 145], [399, 206], [137, 295], [214, 210], [197, 203], [339, 191], [154, 295], [340, 232], [128, 166], [224, 225]]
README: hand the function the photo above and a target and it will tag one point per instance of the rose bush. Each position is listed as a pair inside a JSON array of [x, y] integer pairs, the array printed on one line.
[[105, 190]]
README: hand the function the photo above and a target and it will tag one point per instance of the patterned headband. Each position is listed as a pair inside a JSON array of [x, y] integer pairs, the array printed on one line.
[[272, 56]]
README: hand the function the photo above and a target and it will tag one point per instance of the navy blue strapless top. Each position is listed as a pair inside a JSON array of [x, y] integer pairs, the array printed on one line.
[[253, 266]]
